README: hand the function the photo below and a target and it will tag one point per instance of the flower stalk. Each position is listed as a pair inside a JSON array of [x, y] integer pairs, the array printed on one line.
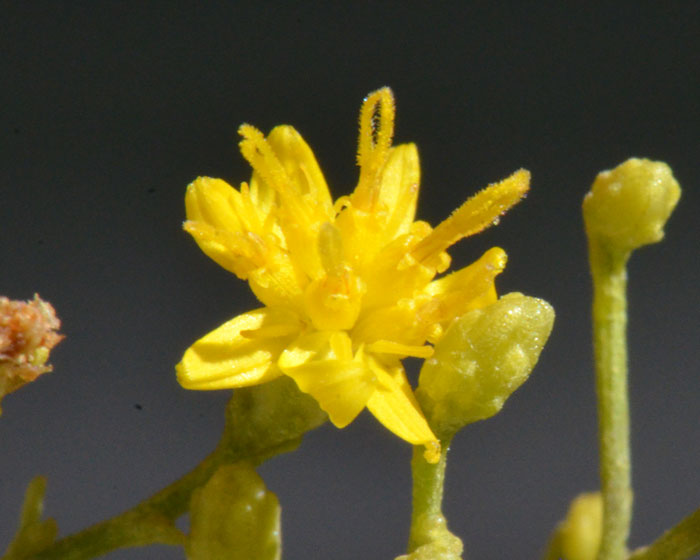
[[626, 208], [261, 422], [609, 273], [428, 523]]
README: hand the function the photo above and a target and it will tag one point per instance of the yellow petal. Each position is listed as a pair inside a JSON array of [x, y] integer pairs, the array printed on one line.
[[237, 252], [476, 214], [323, 366], [399, 323], [212, 201], [471, 287], [226, 224], [233, 356], [394, 405], [279, 283], [397, 349], [301, 167], [386, 277], [399, 189]]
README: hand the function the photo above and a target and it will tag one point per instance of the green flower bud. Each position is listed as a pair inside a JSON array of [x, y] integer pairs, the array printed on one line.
[[630, 205], [234, 517], [483, 357], [578, 536]]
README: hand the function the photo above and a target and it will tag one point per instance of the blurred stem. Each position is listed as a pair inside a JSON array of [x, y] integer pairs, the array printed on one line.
[[261, 422], [608, 269], [679, 543], [147, 523], [427, 520]]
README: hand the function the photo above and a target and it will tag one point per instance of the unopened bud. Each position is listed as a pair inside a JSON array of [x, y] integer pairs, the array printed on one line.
[[628, 206], [578, 536], [483, 357], [233, 516]]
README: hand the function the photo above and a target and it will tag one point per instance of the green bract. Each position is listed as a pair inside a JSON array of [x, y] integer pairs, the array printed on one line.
[[34, 534], [484, 356]]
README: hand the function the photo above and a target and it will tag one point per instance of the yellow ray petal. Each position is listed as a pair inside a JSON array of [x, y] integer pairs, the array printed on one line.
[[399, 189], [391, 274], [471, 287], [237, 252], [476, 214], [322, 365], [301, 167], [394, 405], [398, 349], [212, 201], [230, 356]]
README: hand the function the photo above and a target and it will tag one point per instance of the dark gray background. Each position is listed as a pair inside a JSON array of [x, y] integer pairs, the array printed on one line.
[[108, 111]]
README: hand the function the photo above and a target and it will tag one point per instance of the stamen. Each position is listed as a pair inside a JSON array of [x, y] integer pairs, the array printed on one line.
[[476, 214], [376, 132], [330, 249], [262, 159]]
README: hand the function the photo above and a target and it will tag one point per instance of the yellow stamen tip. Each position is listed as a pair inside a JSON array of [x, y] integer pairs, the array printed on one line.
[[479, 212], [376, 132]]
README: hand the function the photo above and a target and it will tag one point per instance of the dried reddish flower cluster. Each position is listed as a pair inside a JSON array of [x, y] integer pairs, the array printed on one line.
[[27, 335]]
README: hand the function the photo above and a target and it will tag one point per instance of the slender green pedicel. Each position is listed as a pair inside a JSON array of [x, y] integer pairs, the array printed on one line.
[[483, 357], [625, 209]]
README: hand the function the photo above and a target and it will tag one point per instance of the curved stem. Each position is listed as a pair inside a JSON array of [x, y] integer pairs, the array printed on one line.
[[261, 422], [608, 269], [153, 517]]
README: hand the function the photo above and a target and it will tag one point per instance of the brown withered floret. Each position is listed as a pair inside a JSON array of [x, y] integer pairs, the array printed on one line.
[[27, 335]]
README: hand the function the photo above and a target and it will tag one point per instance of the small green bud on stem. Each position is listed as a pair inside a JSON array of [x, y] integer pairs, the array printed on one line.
[[234, 516], [578, 536], [626, 208], [483, 357], [629, 205]]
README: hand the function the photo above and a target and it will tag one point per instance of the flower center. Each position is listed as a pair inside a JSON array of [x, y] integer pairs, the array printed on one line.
[[334, 300]]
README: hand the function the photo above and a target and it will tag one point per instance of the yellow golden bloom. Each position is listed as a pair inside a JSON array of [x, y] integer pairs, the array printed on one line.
[[349, 287]]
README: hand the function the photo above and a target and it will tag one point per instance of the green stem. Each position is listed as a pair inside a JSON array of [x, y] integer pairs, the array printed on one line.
[[679, 543], [149, 522], [608, 268], [261, 422], [427, 520]]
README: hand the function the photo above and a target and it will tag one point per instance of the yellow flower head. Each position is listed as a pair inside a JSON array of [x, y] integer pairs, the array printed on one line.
[[349, 287]]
